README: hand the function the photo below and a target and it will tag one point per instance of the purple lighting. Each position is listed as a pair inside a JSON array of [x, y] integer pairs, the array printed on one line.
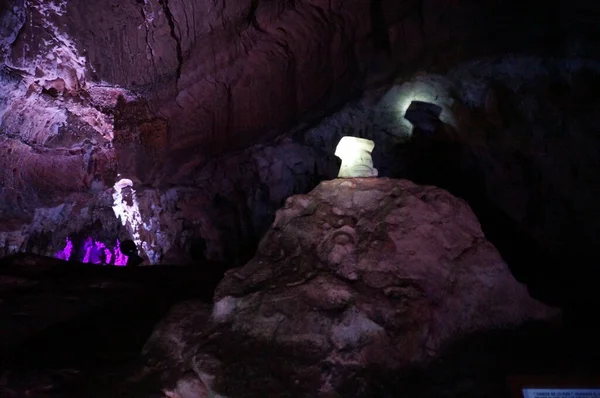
[[94, 252], [65, 253], [88, 245], [120, 258]]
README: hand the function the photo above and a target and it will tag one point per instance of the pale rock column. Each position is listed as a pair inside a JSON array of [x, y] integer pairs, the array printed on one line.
[[356, 157]]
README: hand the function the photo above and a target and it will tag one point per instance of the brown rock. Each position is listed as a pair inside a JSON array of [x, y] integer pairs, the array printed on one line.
[[402, 273]]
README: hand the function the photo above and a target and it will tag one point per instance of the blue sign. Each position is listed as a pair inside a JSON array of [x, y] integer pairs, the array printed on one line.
[[560, 393]]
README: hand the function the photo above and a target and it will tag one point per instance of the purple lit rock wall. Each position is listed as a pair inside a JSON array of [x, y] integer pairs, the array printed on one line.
[[93, 252]]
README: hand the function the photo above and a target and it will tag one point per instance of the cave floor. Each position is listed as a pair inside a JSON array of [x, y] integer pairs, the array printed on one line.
[[76, 330], [69, 326]]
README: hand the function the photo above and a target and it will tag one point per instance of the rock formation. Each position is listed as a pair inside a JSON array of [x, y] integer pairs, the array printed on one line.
[[184, 124], [155, 91], [356, 157], [354, 285], [499, 143]]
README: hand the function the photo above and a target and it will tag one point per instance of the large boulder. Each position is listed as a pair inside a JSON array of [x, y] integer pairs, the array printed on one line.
[[355, 284]]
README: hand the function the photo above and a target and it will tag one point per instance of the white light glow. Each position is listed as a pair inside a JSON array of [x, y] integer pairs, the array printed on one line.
[[127, 209], [140, 221], [429, 88], [356, 157]]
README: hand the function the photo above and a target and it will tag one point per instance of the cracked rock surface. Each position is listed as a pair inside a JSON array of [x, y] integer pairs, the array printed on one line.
[[355, 283]]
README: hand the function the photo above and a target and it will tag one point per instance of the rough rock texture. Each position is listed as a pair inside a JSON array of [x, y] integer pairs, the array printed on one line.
[[80, 217], [216, 215], [221, 211], [55, 133], [517, 138], [501, 118], [147, 89], [356, 282]]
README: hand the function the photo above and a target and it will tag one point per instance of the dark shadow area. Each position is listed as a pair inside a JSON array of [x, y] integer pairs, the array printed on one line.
[[129, 249], [381, 39], [71, 322], [482, 364], [425, 115], [565, 275], [474, 366]]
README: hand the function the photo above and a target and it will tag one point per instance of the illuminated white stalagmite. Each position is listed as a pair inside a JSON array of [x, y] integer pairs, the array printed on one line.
[[356, 157], [141, 218], [127, 209]]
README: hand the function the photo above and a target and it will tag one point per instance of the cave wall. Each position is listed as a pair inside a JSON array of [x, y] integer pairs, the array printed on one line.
[[524, 135], [220, 213], [225, 75], [158, 92]]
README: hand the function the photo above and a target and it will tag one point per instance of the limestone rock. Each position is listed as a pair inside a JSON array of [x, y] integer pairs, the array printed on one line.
[[356, 157], [359, 274]]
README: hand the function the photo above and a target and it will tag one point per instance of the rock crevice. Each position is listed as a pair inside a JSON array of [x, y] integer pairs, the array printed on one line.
[[174, 27]]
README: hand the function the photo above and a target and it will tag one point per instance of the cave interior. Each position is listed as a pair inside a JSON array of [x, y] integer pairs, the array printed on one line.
[[182, 127]]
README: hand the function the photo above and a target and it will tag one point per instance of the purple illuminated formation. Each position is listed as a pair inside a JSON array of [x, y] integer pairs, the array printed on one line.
[[95, 252], [120, 258], [65, 254]]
